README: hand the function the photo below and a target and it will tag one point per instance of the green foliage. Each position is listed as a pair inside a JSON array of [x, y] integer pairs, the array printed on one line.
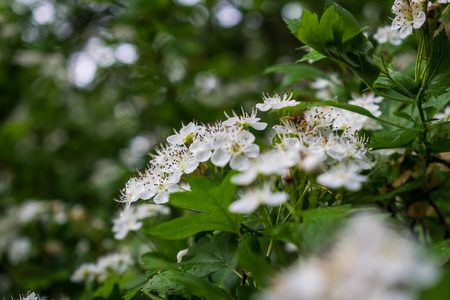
[[439, 66], [396, 139], [210, 254], [172, 282], [315, 230], [338, 37], [211, 201]]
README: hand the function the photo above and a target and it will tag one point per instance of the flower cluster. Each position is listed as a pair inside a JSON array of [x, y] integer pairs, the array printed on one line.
[[227, 142], [322, 142], [368, 261], [114, 263], [17, 246]]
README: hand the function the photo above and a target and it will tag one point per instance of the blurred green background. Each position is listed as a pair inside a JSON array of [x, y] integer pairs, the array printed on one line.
[[88, 88]]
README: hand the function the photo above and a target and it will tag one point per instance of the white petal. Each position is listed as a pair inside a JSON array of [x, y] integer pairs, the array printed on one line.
[[263, 107], [276, 199], [406, 31], [244, 178], [202, 155], [243, 206], [259, 126], [220, 158], [252, 150], [239, 162], [162, 197]]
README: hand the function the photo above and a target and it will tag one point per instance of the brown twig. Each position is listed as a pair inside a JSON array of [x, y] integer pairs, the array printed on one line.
[[440, 160]]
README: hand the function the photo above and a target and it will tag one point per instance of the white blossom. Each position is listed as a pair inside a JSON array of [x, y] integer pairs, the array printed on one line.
[[245, 120], [235, 147], [186, 134], [132, 220], [408, 16]]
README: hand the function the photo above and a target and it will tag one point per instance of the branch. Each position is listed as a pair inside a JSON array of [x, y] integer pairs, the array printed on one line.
[[441, 218]]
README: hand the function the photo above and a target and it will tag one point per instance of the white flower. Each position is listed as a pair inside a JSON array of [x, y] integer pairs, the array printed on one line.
[[84, 273], [134, 190], [386, 34], [276, 102], [326, 88], [408, 16], [30, 296], [272, 162], [131, 220], [237, 146], [180, 255], [252, 199], [245, 120], [342, 175], [113, 263], [186, 134], [19, 250]]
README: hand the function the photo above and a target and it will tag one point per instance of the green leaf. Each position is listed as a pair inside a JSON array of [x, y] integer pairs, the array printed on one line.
[[312, 56], [317, 227], [211, 201], [173, 282], [436, 103], [156, 261], [440, 146], [439, 79], [109, 288], [404, 80], [211, 254], [402, 138], [402, 114], [260, 267], [338, 37]]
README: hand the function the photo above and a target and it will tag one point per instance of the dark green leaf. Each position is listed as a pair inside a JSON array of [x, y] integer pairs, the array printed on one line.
[[211, 254], [312, 56], [402, 138], [404, 80], [173, 282], [439, 80], [402, 114], [338, 37], [316, 228], [440, 146]]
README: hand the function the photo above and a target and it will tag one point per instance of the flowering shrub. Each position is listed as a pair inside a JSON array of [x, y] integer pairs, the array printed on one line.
[[340, 197]]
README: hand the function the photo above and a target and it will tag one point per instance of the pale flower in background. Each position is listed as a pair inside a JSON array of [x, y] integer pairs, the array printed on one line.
[[386, 34], [343, 175], [249, 201], [368, 261], [276, 102], [30, 296]]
